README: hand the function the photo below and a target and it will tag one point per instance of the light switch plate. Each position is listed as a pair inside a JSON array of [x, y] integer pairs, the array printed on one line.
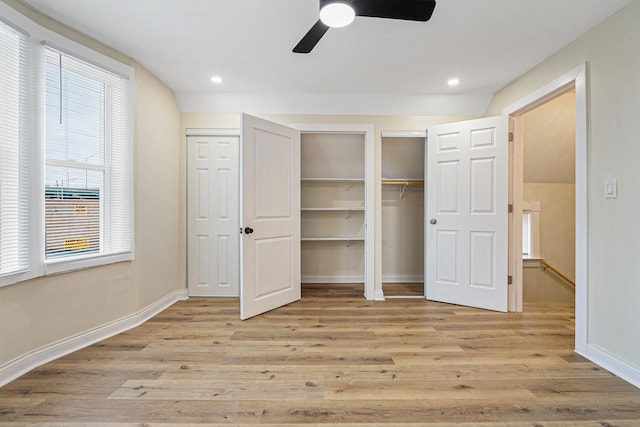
[[611, 188]]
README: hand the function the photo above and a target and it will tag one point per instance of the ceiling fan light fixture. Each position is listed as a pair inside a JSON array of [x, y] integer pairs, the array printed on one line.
[[337, 14]]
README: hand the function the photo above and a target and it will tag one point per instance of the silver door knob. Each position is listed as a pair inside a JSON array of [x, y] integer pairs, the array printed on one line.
[[432, 221]]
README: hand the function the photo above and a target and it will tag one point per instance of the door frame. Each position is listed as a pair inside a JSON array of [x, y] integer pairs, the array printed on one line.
[[577, 79]]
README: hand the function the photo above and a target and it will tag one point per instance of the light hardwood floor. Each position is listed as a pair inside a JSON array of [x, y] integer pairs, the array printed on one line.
[[331, 358]]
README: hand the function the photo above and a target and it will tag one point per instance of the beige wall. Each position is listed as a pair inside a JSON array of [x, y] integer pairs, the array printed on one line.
[[557, 241], [613, 53], [40, 312]]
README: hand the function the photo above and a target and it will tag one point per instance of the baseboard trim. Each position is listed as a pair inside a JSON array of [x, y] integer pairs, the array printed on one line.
[[402, 279], [378, 295], [25, 363], [629, 373], [332, 279]]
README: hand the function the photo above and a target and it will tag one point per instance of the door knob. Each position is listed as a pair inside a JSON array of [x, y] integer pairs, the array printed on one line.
[[248, 230], [433, 221]]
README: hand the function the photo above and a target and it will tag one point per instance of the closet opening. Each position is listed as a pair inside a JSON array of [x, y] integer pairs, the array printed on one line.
[[403, 190], [333, 211]]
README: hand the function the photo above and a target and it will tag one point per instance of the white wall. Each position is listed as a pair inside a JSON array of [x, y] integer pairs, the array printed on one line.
[[613, 54], [38, 313]]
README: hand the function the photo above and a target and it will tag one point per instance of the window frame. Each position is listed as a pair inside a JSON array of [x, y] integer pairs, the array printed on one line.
[[37, 38]]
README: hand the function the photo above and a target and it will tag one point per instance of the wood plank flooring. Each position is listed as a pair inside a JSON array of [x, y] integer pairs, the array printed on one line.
[[403, 289], [332, 358]]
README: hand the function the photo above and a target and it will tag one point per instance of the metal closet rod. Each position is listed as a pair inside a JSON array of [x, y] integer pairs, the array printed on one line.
[[420, 182]]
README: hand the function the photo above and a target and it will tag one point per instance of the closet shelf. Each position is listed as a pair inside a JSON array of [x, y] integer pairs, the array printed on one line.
[[333, 239], [332, 179], [346, 209]]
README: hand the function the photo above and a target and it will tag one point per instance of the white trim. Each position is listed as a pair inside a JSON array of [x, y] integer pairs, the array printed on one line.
[[25, 363], [627, 372], [546, 92], [379, 295], [332, 279], [576, 78], [403, 134], [212, 132], [369, 178]]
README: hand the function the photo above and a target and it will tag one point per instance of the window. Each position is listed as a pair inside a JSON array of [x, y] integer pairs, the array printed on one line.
[[66, 153], [531, 229], [526, 234], [87, 201], [14, 168]]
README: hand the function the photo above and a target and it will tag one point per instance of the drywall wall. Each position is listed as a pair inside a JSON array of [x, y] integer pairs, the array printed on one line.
[[557, 241], [611, 51], [41, 312], [549, 147]]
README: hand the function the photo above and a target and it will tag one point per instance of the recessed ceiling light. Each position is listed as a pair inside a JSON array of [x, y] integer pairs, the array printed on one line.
[[453, 82], [216, 80], [337, 14]]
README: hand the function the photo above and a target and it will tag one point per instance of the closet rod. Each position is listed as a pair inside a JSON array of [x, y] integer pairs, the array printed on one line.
[[420, 182]]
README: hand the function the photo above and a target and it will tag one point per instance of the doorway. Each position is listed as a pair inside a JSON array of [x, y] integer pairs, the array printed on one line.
[[548, 137], [402, 221], [575, 79]]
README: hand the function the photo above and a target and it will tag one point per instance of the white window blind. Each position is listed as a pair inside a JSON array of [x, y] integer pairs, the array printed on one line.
[[14, 153], [88, 200]]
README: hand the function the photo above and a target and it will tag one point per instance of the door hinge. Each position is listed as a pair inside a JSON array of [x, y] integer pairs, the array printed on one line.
[[510, 208], [509, 280], [510, 136]]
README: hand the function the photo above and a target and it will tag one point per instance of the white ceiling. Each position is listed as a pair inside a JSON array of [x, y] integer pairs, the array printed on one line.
[[485, 43]]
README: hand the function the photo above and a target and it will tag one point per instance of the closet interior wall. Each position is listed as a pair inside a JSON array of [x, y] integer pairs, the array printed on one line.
[[403, 165]]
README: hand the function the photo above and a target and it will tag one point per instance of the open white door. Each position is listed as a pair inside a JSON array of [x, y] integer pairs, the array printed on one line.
[[270, 265], [467, 213]]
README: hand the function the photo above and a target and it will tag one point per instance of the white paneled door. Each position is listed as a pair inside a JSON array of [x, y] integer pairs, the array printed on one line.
[[270, 242], [467, 213], [213, 206]]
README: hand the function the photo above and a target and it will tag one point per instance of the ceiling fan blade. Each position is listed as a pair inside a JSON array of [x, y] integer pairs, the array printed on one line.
[[410, 10], [311, 39]]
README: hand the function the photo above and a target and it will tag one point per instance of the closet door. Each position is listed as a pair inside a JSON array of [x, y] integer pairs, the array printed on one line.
[[467, 213], [213, 194], [270, 264]]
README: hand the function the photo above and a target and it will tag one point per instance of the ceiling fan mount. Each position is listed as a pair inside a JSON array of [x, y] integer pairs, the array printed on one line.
[[408, 10]]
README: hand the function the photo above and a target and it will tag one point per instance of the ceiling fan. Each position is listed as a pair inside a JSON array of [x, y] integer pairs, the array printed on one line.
[[340, 13]]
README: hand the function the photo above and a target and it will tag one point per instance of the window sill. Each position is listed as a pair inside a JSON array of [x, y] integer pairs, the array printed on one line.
[[79, 263]]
